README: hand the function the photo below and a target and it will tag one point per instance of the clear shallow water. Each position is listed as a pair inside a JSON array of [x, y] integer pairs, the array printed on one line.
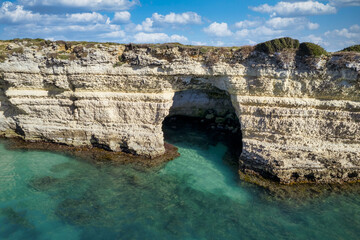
[[196, 196]]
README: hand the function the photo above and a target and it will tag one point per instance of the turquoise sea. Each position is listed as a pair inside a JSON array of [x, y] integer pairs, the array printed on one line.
[[196, 196]]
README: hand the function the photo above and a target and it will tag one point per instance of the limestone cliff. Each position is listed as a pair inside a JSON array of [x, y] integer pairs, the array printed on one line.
[[299, 116]]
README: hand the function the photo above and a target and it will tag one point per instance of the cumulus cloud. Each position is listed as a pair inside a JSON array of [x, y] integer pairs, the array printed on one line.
[[121, 17], [94, 5], [295, 22], [247, 24], [218, 29], [11, 13], [15, 14], [24, 23], [313, 26], [296, 8], [86, 17], [158, 38], [174, 18], [338, 39], [259, 31], [351, 33], [198, 43], [146, 26]]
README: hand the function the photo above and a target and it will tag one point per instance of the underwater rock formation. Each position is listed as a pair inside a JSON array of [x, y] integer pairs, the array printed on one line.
[[299, 115]]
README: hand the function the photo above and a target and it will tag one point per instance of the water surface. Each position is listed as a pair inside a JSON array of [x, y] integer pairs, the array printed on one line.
[[196, 196]]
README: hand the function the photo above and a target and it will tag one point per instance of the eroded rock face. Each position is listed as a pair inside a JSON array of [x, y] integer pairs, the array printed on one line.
[[300, 117]]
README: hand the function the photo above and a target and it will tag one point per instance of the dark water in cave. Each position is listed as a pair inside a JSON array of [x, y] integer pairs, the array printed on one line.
[[196, 196]]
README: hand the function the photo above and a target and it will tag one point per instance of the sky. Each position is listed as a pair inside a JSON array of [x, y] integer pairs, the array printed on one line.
[[334, 24]]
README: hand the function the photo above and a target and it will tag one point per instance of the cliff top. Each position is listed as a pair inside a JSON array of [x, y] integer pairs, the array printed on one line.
[[283, 52]]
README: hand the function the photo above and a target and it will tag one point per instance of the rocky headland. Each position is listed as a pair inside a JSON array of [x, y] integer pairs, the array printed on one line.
[[298, 107]]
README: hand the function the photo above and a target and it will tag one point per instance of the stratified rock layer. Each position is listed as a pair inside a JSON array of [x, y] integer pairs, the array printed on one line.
[[299, 116]]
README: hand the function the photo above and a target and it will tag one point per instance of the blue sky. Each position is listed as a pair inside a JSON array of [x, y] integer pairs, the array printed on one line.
[[334, 24]]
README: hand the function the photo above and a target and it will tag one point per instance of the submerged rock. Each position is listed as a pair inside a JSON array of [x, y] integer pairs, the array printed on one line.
[[82, 211], [43, 183]]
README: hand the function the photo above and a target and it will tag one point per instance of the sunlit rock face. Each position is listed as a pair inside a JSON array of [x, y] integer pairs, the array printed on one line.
[[299, 116]]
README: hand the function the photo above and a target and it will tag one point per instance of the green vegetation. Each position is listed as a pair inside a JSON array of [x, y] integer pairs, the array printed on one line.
[[118, 64], [121, 61], [311, 49], [2, 57], [277, 45], [354, 48], [18, 50], [66, 56]]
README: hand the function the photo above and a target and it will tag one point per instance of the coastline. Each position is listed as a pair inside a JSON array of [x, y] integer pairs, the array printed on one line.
[[93, 154]]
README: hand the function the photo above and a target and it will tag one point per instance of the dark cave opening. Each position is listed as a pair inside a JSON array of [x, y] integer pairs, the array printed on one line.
[[209, 112]]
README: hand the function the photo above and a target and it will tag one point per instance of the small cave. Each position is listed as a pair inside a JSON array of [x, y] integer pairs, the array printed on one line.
[[208, 112]]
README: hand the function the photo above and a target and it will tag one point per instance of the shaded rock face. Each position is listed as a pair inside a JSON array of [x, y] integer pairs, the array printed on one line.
[[299, 116]]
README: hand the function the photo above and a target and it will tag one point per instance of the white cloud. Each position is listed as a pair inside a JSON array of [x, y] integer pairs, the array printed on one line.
[[95, 5], [86, 17], [218, 29], [355, 28], [247, 24], [295, 23], [146, 26], [296, 8], [11, 13], [243, 33], [121, 17], [344, 3], [281, 23], [313, 26], [198, 43], [158, 38], [174, 18], [258, 32], [178, 38], [15, 14], [158, 21], [352, 33], [338, 39]]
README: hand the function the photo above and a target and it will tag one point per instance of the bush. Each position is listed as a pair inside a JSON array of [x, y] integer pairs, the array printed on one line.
[[2, 57], [18, 50], [63, 56], [311, 49], [277, 45], [354, 48]]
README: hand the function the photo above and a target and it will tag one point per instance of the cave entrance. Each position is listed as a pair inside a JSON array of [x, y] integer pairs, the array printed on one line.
[[204, 117]]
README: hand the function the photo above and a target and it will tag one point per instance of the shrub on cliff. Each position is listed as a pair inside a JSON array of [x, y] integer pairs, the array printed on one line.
[[311, 49], [277, 45], [2, 57], [354, 48]]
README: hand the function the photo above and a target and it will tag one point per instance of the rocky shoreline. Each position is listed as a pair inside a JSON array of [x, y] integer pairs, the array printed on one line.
[[299, 114], [93, 155]]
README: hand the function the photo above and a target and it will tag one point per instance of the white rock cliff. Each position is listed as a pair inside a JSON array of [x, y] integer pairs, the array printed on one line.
[[299, 116]]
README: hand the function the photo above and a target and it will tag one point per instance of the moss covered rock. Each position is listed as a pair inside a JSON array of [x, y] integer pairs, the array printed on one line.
[[354, 48], [311, 49], [277, 45]]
